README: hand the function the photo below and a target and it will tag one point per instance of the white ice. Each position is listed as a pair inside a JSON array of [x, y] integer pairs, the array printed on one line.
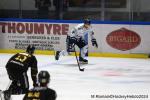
[[102, 76]]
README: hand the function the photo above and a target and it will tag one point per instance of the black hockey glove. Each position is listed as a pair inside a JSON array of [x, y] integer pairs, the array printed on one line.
[[94, 43], [71, 39]]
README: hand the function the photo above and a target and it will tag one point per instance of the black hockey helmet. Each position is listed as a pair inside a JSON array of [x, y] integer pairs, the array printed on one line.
[[30, 49], [43, 77], [87, 21]]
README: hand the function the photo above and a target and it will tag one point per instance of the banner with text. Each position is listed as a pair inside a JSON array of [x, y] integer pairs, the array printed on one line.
[[113, 38]]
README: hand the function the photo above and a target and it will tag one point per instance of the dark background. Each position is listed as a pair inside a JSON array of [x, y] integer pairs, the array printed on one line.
[[104, 10]]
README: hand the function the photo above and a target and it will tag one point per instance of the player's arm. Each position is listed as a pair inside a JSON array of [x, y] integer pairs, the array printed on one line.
[[93, 40], [34, 71]]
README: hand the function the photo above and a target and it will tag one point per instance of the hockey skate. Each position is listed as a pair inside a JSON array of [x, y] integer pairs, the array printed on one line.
[[83, 61], [57, 55]]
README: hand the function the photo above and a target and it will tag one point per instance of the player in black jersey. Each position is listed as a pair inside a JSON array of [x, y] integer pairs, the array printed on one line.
[[17, 68], [42, 92]]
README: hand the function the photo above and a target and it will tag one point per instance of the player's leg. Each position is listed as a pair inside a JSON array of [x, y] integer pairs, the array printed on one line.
[[83, 50], [13, 87], [6, 95], [9, 69], [23, 84], [61, 53], [1, 95], [12, 76], [19, 85], [69, 48]]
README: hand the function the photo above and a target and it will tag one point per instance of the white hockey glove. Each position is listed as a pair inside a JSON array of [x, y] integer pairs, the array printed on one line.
[[94, 43]]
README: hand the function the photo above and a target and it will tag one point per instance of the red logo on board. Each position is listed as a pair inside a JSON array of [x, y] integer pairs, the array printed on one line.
[[123, 39]]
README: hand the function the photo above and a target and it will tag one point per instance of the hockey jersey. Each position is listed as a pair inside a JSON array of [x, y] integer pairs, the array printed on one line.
[[19, 63], [81, 32], [40, 93]]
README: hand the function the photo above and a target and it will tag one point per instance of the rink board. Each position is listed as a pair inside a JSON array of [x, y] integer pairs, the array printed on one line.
[[115, 39], [46, 52]]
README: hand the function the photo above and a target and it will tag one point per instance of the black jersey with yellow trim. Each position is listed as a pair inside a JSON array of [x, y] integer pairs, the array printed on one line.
[[40, 93]]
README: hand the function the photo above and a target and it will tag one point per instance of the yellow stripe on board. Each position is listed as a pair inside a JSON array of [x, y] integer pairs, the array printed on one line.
[[46, 52], [118, 55]]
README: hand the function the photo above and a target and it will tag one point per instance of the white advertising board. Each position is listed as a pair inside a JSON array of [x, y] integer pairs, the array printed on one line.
[[113, 38]]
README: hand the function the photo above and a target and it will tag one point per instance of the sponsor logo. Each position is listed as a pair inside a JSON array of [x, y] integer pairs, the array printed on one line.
[[123, 39], [34, 28]]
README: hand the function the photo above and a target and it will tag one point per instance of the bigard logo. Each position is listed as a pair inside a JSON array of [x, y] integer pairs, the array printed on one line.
[[123, 39]]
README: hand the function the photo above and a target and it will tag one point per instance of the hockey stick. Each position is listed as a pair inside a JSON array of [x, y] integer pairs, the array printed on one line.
[[80, 69]]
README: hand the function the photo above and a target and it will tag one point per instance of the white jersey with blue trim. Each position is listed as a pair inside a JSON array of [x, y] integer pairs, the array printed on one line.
[[81, 32]]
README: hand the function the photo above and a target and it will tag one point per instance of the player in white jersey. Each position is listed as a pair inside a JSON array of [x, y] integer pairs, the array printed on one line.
[[79, 36]]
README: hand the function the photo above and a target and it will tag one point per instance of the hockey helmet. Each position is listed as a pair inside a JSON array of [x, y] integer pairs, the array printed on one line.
[[87, 21], [30, 49], [43, 77]]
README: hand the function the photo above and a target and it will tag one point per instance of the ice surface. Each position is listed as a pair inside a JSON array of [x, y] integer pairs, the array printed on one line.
[[102, 76]]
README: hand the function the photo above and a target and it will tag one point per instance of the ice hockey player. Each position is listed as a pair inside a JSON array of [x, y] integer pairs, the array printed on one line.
[[42, 92], [79, 36], [17, 68]]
